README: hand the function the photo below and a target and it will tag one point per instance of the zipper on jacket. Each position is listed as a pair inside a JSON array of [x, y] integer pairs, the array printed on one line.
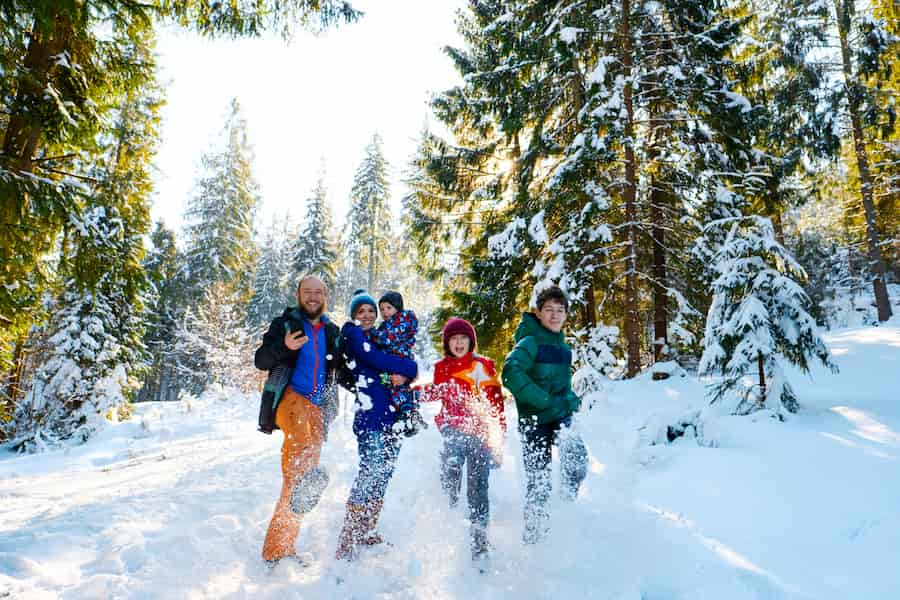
[[316, 329]]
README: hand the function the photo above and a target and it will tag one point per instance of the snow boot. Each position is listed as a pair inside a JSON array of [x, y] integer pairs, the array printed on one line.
[[537, 526], [352, 532], [308, 490], [301, 560], [479, 543], [371, 537]]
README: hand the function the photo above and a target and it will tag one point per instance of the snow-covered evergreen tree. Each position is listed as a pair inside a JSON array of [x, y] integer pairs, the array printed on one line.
[[314, 250], [165, 306], [275, 284], [786, 85], [593, 358], [95, 353], [586, 132], [214, 330], [220, 214], [758, 321], [368, 225], [220, 249], [95, 338], [867, 48]]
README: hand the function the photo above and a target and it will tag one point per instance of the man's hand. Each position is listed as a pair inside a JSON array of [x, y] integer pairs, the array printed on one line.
[[296, 340], [398, 380]]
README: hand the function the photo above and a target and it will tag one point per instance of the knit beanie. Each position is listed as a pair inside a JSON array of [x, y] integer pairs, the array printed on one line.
[[458, 326], [392, 298], [359, 298]]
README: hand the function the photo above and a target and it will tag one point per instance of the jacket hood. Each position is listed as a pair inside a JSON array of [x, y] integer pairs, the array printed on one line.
[[530, 326]]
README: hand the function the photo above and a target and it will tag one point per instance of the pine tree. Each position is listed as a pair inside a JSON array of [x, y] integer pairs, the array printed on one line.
[[275, 284], [885, 143], [252, 19], [96, 326], [313, 250], [225, 349], [584, 133], [166, 304], [95, 341], [368, 227], [784, 79], [220, 249], [865, 45], [759, 319], [220, 214], [63, 75]]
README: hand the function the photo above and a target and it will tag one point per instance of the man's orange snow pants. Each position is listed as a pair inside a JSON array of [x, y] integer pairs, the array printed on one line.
[[301, 422]]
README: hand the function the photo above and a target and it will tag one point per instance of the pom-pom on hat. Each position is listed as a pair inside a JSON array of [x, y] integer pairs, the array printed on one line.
[[392, 298], [458, 326], [359, 298]]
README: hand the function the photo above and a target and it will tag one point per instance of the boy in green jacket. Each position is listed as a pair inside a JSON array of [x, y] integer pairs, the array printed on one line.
[[538, 372]]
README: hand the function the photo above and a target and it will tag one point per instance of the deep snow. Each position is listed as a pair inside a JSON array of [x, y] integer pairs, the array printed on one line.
[[174, 504]]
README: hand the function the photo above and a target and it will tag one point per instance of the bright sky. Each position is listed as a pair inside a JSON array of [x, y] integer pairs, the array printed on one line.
[[311, 98]]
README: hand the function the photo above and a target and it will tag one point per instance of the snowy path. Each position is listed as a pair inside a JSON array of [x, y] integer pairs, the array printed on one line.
[[177, 508]]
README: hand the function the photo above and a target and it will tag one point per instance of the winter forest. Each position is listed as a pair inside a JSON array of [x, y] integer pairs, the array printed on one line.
[[714, 184]]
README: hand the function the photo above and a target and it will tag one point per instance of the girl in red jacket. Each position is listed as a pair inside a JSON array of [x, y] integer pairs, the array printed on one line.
[[471, 421]]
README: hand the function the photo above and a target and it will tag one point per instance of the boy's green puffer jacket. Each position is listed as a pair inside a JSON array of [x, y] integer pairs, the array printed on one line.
[[538, 372]]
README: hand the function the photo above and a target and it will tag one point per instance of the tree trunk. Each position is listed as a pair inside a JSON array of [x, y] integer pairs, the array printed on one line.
[[632, 323], [23, 131], [591, 307], [761, 365], [876, 262], [773, 208], [660, 280], [371, 278], [14, 386], [20, 143]]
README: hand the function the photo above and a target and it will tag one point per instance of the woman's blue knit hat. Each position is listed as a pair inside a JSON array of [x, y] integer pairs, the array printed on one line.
[[359, 298]]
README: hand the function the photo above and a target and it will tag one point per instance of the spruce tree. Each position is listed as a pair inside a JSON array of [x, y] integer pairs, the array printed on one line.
[[252, 19], [275, 284], [584, 133], [96, 325], [313, 250], [785, 85], [166, 304], [95, 343], [368, 225], [758, 320], [221, 212], [63, 75], [220, 249], [866, 47], [214, 329]]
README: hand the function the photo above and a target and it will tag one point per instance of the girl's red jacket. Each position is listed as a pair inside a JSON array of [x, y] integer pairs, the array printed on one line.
[[470, 396]]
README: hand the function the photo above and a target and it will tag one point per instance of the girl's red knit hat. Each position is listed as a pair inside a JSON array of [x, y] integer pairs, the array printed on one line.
[[458, 326]]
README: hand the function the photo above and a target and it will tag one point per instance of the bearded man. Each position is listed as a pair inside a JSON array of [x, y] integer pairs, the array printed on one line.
[[301, 352]]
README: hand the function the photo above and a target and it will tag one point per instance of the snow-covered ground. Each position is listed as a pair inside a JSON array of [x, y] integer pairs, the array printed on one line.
[[174, 504]]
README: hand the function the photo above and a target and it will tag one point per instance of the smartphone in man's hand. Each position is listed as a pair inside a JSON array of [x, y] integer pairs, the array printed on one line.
[[295, 336], [295, 327]]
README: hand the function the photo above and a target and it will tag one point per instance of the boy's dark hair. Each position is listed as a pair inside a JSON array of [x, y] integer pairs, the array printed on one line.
[[552, 293]]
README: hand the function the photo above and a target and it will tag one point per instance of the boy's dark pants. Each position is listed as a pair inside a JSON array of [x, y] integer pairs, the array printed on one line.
[[537, 444]]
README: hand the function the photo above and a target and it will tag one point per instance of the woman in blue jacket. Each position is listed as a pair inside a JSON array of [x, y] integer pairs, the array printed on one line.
[[378, 443]]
